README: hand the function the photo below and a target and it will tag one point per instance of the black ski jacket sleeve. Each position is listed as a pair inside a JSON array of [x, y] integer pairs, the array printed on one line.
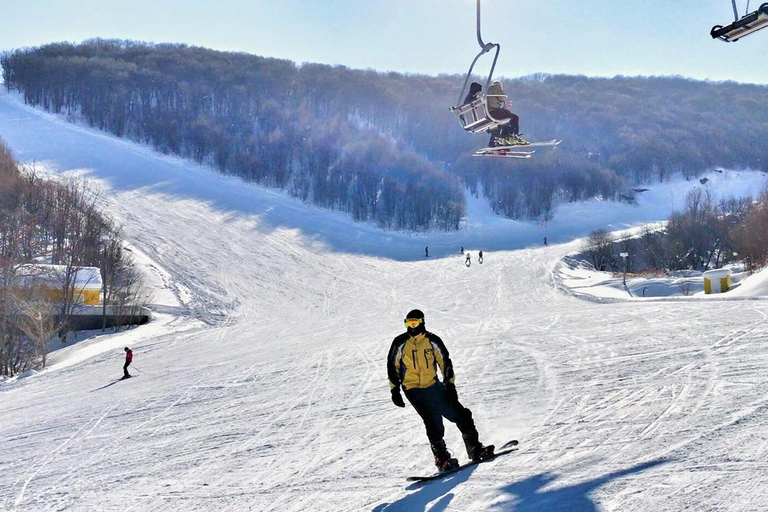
[[394, 350]]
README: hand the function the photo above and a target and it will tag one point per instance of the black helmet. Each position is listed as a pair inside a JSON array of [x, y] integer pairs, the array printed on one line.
[[414, 313], [127, 349]]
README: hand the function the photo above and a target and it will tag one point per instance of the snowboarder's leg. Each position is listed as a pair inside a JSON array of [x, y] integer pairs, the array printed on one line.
[[462, 417], [125, 371], [427, 404]]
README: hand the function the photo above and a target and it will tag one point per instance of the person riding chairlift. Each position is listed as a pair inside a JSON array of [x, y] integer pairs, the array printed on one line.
[[507, 134]]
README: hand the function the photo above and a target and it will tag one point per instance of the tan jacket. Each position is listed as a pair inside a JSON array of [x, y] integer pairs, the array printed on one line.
[[414, 360], [496, 97]]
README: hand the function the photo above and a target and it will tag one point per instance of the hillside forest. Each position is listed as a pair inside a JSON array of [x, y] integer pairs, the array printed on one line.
[[384, 147]]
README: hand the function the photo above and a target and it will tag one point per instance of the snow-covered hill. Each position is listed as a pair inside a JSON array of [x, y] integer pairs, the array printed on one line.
[[262, 384]]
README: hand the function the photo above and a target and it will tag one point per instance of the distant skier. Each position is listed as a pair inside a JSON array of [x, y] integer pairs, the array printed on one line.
[[468, 260], [462, 249], [412, 364], [480, 257], [128, 361], [545, 240], [426, 252]]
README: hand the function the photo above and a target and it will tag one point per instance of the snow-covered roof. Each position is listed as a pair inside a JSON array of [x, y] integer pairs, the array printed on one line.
[[85, 278], [717, 273]]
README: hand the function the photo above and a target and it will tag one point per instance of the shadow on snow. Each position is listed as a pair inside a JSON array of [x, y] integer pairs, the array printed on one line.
[[522, 496], [428, 492]]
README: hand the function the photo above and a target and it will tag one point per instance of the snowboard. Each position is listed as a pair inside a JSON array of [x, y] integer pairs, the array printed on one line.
[[509, 447]]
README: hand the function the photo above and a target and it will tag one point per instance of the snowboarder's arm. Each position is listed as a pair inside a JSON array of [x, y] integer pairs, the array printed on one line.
[[442, 358], [393, 362]]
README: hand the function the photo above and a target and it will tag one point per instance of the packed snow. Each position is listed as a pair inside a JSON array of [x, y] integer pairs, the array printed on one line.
[[261, 382]]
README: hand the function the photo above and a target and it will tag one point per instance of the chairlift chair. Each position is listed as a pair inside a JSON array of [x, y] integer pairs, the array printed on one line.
[[743, 26], [474, 116]]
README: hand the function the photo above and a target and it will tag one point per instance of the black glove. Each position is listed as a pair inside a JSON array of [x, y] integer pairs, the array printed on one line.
[[397, 398], [450, 392]]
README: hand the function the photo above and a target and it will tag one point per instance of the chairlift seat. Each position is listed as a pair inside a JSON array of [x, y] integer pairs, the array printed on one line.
[[745, 26], [474, 116]]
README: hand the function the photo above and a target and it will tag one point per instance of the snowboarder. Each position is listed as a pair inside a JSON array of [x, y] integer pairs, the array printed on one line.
[[480, 257], [128, 360], [412, 364], [468, 260], [426, 252]]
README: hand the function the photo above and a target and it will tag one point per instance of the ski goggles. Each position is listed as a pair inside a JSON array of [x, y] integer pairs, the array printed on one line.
[[413, 322]]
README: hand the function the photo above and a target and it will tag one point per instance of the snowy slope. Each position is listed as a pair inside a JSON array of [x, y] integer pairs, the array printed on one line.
[[262, 385]]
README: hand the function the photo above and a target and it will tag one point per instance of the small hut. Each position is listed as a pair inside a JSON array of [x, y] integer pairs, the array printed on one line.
[[717, 281]]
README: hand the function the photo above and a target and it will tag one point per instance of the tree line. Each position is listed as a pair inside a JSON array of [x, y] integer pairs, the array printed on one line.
[[706, 234], [60, 223], [383, 146]]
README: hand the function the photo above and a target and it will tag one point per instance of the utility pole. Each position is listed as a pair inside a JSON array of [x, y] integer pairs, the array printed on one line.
[[104, 240], [624, 257]]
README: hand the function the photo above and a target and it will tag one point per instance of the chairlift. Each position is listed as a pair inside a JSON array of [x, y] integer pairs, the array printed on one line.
[[474, 116], [741, 27]]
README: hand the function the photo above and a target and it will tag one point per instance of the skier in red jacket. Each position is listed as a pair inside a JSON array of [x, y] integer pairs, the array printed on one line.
[[128, 360]]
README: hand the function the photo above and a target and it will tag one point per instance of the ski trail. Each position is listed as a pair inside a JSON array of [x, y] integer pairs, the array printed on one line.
[[60, 447]]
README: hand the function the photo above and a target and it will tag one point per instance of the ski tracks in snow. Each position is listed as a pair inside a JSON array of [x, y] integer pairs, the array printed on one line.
[[88, 427]]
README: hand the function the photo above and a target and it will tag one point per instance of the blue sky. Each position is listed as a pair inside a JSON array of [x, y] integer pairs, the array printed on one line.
[[589, 37]]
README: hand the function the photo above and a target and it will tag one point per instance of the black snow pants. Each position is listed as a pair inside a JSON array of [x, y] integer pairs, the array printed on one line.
[[433, 405], [511, 128], [125, 370]]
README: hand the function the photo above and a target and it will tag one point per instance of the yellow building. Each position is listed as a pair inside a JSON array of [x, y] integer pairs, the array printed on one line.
[[85, 282]]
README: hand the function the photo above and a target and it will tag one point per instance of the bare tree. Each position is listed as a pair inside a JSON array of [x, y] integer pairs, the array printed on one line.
[[128, 292], [599, 248], [35, 317], [751, 237]]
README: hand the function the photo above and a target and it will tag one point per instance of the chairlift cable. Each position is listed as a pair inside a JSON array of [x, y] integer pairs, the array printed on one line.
[[479, 37], [484, 48]]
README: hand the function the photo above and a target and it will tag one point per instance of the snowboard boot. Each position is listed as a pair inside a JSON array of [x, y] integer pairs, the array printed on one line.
[[443, 459], [475, 449]]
